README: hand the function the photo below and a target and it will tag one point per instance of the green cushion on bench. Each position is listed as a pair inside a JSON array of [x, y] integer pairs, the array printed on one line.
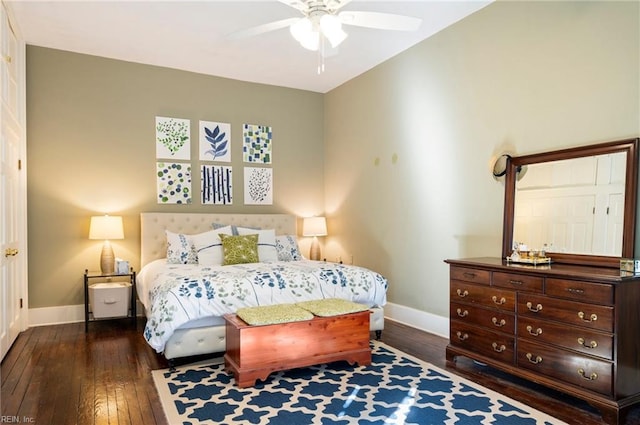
[[272, 314], [332, 307]]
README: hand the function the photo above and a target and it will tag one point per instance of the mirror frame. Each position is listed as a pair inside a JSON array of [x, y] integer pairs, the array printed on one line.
[[515, 164]]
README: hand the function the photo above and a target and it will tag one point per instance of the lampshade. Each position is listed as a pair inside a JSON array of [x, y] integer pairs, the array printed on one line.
[[314, 226], [106, 227]]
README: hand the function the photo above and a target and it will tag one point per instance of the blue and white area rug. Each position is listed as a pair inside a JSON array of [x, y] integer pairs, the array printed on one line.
[[395, 389]]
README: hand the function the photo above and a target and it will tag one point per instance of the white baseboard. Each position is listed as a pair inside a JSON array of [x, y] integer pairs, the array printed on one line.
[[56, 315], [64, 314], [422, 320]]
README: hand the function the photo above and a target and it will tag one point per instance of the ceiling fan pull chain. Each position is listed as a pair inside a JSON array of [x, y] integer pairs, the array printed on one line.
[[321, 56]]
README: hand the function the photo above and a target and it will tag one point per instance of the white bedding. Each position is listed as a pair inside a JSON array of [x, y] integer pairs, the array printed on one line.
[[174, 295]]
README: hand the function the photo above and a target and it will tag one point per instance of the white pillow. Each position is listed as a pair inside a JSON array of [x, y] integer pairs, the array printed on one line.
[[287, 247], [180, 249], [209, 246], [267, 251]]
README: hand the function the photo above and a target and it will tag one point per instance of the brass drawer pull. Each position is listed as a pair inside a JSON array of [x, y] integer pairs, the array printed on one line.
[[469, 275], [10, 252], [516, 282], [536, 309], [499, 324], [592, 344], [591, 377], [498, 349], [591, 318], [462, 294], [532, 332], [462, 336], [498, 301], [461, 313], [536, 360], [576, 291]]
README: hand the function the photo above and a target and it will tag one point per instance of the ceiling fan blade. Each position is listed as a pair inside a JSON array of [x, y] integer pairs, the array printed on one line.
[[261, 29], [383, 21], [296, 4], [334, 5]]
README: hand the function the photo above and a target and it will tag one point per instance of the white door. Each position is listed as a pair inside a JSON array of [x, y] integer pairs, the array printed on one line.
[[13, 259]]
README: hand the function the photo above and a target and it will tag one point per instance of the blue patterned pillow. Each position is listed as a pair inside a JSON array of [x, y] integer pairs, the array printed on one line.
[[180, 249], [287, 247]]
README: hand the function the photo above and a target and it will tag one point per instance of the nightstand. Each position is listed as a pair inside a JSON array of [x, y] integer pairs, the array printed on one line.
[[116, 295]]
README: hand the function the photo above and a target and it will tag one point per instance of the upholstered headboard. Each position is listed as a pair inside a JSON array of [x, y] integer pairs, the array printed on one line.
[[153, 239]]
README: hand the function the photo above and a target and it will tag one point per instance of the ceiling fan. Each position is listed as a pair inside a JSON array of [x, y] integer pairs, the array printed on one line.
[[322, 20]]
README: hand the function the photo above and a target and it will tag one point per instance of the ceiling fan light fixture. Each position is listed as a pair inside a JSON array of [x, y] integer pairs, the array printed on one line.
[[311, 41], [301, 28], [304, 32], [331, 28]]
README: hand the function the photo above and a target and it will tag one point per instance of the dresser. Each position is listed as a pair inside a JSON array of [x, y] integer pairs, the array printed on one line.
[[573, 328]]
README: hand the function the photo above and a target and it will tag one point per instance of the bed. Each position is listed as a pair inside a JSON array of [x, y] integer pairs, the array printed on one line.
[[185, 303]]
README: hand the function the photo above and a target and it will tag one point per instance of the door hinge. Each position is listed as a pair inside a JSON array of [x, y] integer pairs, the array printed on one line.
[[20, 302], [19, 164]]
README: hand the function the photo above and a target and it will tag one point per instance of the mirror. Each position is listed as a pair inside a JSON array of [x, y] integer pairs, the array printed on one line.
[[578, 204]]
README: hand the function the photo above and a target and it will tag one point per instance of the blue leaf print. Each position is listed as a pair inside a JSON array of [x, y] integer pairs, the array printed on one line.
[[335, 277], [222, 148], [218, 142]]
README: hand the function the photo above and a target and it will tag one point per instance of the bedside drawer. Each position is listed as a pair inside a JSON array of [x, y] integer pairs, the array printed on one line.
[[470, 275], [598, 293], [579, 339], [585, 372], [486, 296], [580, 314], [518, 282], [482, 341], [496, 320]]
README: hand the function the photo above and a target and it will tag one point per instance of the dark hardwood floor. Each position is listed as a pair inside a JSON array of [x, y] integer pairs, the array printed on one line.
[[60, 375]]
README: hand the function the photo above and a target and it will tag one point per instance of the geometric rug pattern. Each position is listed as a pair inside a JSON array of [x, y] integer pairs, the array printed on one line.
[[395, 389]]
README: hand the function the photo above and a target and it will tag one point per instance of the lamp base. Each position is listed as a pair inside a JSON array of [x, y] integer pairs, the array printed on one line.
[[107, 259], [314, 253]]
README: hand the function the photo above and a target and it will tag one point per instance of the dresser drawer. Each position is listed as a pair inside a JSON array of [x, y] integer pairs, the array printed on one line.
[[496, 345], [575, 338], [486, 296], [520, 282], [597, 293], [470, 275], [496, 320], [575, 313], [586, 372]]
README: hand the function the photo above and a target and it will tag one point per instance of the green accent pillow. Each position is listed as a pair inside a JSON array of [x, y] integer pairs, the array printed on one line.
[[332, 307], [239, 249]]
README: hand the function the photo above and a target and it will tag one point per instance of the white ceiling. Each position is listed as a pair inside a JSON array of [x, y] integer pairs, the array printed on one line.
[[192, 36]]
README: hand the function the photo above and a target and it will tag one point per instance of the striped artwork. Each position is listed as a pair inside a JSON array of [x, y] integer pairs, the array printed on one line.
[[216, 182]]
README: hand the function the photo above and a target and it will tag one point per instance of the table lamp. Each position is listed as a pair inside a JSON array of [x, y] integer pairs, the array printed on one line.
[[106, 227], [314, 226]]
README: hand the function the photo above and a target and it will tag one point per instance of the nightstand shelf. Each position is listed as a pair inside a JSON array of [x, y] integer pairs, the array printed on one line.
[[129, 278]]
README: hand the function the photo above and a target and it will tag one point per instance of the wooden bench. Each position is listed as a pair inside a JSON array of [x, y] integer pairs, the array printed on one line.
[[254, 352]]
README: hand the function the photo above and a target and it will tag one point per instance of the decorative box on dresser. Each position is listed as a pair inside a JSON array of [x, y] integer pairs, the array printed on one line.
[[572, 328]]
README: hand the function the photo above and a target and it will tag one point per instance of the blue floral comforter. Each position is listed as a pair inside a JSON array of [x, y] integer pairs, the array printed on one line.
[[174, 294]]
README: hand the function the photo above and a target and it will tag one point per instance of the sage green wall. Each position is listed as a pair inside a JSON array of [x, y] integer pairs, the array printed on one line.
[[409, 145], [91, 150]]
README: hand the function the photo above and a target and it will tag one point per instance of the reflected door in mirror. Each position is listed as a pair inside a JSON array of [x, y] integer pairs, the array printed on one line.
[[574, 205]]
